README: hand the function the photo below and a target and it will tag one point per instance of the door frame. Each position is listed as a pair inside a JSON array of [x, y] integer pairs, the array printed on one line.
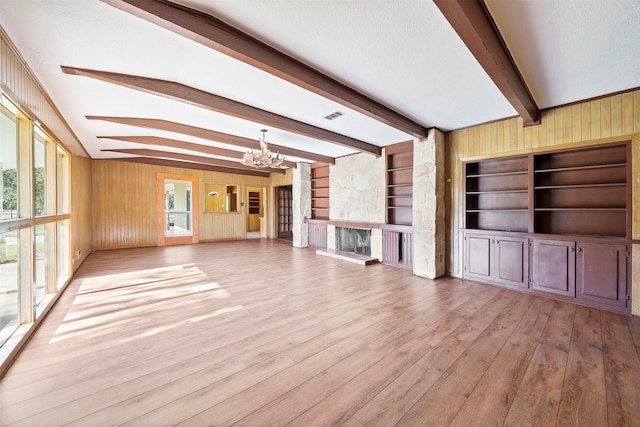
[[195, 208]]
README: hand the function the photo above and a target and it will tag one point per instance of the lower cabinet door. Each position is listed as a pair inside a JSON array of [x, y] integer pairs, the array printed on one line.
[[478, 254], [511, 261], [553, 266], [601, 273]]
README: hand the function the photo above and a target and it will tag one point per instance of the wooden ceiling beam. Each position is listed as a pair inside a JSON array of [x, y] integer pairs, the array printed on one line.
[[219, 104], [220, 36], [174, 143], [208, 134], [475, 26], [145, 152], [187, 165]]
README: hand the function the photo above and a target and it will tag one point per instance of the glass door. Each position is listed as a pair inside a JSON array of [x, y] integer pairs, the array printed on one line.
[[284, 212], [177, 204], [177, 208]]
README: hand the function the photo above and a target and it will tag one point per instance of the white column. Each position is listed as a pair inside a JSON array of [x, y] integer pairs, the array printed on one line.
[[301, 204], [429, 234]]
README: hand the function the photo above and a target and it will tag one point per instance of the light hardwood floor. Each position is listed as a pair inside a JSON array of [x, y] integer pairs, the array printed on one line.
[[257, 333]]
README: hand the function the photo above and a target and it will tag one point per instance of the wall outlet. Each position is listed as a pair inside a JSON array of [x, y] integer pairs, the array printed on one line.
[[79, 254]]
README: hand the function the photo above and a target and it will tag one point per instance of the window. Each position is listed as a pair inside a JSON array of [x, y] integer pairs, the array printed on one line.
[[9, 301], [40, 251], [34, 210], [39, 172], [8, 160]]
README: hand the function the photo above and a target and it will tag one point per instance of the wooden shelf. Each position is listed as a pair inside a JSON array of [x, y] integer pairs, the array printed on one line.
[[578, 168], [554, 187], [404, 168], [497, 210], [484, 175], [542, 209], [497, 192]]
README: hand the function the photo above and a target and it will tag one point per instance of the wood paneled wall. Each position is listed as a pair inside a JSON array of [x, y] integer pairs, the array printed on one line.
[[614, 118], [23, 88], [81, 229], [124, 204], [580, 124]]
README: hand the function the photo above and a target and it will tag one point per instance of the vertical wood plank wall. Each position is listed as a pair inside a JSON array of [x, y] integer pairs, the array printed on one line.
[[81, 229], [124, 204], [22, 87], [609, 119]]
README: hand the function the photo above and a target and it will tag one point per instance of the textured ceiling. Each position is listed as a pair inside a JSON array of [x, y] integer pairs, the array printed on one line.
[[568, 51], [403, 54]]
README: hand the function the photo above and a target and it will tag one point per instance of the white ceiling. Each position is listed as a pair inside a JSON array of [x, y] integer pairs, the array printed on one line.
[[403, 54]]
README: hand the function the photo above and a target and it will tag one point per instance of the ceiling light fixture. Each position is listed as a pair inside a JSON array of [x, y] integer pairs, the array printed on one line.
[[263, 158]]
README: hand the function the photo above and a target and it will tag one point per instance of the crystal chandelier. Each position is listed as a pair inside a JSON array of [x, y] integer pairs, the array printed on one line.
[[263, 158]]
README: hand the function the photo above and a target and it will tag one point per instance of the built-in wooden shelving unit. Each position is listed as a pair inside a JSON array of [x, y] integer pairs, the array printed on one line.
[[400, 184], [582, 192], [397, 236], [578, 192], [254, 203], [556, 223], [497, 194], [320, 191]]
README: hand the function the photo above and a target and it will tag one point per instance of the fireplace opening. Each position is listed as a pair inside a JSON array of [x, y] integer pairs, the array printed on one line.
[[354, 240]]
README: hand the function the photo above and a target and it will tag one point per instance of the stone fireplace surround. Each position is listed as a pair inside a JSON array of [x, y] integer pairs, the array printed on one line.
[[358, 196], [375, 234]]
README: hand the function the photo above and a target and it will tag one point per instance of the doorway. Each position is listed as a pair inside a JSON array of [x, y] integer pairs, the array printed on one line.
[[177, 206], [284, 212], [255, 213]]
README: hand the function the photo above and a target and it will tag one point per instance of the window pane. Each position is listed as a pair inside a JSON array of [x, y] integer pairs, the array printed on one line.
[[62, 169], [39, 176], [8, 164], [63, 252], [40, 251], [9, 301]]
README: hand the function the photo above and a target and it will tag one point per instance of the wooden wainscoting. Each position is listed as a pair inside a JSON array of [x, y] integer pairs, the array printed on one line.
[[256, 332]]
